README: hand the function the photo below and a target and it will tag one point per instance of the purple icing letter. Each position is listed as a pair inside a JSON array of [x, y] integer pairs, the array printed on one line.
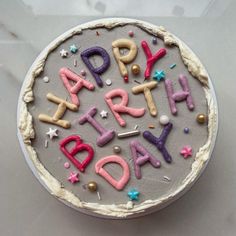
[[96, 71], [179, 96], [105, 135], [160, 142], [137, 148]]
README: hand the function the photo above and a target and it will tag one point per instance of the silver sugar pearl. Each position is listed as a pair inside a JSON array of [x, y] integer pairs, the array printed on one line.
[[117, 149]]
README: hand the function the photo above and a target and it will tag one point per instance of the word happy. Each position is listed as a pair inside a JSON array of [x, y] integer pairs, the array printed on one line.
[[74, 83]]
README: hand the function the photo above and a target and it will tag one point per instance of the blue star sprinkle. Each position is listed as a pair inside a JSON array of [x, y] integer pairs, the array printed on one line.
[[73, 48], [159, 75], [133, 194]]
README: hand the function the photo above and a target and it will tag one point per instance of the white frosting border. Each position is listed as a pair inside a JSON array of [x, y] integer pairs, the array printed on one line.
[[26, 130]]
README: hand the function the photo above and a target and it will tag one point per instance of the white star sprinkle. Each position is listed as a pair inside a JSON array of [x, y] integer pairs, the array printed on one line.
[[52, 133], [103, 114], [63, 53]]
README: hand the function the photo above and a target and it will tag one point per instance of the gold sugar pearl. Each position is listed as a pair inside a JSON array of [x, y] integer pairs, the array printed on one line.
[[135, 68], [92, 186], [201, 118]]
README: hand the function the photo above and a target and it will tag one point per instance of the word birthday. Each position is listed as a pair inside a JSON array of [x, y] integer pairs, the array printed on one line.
[[74, 83]]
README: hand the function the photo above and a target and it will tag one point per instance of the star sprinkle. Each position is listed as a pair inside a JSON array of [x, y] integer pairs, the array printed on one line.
[[159, 75], [63, 53], [133, 194], [73, 178], [104, 114], [52, 133], [73, 49], [186, 151]]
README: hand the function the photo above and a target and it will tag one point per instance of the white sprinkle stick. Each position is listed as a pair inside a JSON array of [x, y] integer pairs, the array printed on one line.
[[75, 62], [128, 134], [46, 143], [166, 178], [136, 127], [99, 197]]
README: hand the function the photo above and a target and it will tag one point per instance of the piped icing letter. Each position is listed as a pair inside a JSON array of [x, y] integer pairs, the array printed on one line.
[[140, 157], [124, 59], [151, 59], [78, 147], [105, 135], [66, 75], [61, 109], [122, 106], [145, 88], [96, 71], [160, 142], [119, 185], [179, 96]]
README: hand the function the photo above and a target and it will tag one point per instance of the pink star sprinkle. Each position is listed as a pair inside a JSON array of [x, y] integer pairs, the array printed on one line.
[[73, 178], [186, 151]]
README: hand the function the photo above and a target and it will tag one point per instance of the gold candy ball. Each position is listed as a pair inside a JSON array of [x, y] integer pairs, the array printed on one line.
[[135, 68], [201, 118], [92, 186]]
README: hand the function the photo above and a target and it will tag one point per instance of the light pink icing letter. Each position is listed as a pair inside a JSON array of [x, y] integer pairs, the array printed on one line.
[[122, 106], [105, 135], [151, 59], [119, 185], [67, 75], [136, 150], [179, 96]]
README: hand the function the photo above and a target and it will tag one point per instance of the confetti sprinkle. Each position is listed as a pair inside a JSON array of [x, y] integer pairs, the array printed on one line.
[[133, 194], [83, 72], [45, 79], [104, 114], [63, 53], [186, 151], [136, 81], [159, 75], [151, 126], [73, 178], [131, 33], [99, 196], [46, 143], [154, 40], [52, 133], [166, 178], [75, 62], [172, 66], [186, 130], [67, 165], [108, 82]]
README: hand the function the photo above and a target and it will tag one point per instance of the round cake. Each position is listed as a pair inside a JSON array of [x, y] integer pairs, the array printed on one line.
[[117, 118]]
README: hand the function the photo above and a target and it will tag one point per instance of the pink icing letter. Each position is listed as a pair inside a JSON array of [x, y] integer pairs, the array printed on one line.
[[119, 185], [67, 75], [179, 96], [122, 107], [78, 147], [136, 149], [105, 135], [151, 59]]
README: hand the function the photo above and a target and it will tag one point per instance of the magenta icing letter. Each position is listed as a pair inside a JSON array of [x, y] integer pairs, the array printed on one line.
[[136, 149], [122, 106], [67, 75], [96, 71], [151, 59], [179, 96], [105, 135]]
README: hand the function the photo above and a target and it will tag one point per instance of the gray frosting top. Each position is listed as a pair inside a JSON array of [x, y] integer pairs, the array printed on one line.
[[153, 184]]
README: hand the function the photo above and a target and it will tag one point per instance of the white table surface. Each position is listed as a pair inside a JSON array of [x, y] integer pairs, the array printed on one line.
[[208, 27]]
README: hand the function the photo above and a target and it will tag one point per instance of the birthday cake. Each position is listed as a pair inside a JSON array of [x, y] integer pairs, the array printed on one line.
[[117, 118]]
